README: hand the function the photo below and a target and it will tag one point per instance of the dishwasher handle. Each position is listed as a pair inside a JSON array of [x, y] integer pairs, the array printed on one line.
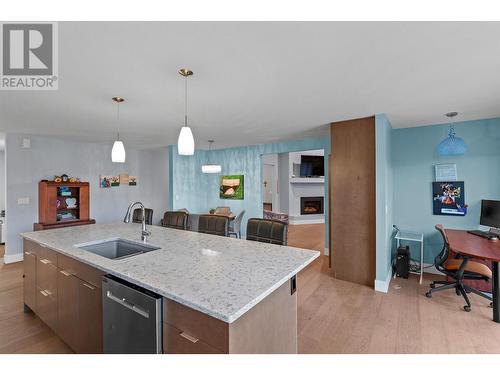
[[128, 305]]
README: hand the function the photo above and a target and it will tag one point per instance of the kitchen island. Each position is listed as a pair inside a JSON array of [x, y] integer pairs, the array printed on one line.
[[220, 295]]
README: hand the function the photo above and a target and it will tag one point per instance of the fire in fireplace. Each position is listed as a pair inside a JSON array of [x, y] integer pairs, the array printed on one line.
[[311, 205]]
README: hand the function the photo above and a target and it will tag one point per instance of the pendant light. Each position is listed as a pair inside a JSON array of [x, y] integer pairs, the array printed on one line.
[[210, 168], [452, 145], [185, 143], [118, 150]]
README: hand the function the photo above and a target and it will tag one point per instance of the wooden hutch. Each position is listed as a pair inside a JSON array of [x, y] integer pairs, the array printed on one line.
[[63, 204]]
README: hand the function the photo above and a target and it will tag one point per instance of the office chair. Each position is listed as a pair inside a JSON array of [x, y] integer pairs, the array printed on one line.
[[266, 230], [459, 270]]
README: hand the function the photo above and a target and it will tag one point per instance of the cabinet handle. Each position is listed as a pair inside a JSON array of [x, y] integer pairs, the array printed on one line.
[[65, 273], [27, 252], [88, 286], [44, 293], [45, 261], [194, 340]]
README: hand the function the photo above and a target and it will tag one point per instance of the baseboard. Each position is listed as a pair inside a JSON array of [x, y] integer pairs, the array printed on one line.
[[383, 285], [429, 268], [13, 258], [302, 222]]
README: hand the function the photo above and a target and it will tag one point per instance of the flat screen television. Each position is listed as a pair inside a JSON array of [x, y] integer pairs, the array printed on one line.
[[490, 213], [312, 166]]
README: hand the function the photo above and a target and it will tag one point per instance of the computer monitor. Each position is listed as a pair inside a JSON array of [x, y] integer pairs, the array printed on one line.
[[490, 213]]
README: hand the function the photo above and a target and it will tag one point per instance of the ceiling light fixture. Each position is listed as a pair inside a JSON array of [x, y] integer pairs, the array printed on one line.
[[118, 150], [452, 145], [185, 143], [210, 168]]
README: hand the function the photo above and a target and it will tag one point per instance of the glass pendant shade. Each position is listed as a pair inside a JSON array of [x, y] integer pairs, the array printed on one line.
[[118, 152], [211, 168], [185, 143], [452, 145]]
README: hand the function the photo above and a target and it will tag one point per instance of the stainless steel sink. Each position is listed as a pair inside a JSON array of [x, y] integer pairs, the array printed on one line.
[[116, 248]]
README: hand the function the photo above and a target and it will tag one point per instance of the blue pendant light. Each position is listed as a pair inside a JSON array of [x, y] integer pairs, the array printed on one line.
[[452, 145]]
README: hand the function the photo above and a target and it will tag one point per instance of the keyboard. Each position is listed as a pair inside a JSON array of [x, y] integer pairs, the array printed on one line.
[[480, 233]]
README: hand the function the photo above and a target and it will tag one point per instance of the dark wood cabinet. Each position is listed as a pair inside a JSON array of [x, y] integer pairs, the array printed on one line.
[[62, 204], [90, 318], [67, 309], [66, 295], [29, 282]]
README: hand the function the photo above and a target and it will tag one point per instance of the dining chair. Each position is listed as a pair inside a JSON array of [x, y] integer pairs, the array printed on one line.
[[175, 219], [137, 216], [235, 225], [213, 224], [458, 270], [266, 230]]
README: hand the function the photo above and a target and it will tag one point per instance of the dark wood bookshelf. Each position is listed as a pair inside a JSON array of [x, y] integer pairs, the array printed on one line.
[[52, 215]]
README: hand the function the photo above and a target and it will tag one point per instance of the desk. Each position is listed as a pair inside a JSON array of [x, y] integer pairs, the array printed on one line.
[[414, 237], [472, 246]]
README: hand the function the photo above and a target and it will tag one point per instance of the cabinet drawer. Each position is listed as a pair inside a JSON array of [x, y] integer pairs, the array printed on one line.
[[212, 331], [29, 282], [31, 247], [46, 277], [47, 254], [46, 308], [80, 270], [176, 341]]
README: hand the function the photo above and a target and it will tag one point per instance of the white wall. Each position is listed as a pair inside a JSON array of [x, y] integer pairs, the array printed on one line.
[[2, 180], [49, 156], [283, 181]]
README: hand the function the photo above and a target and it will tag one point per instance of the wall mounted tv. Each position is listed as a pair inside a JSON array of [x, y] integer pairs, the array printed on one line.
[[312, 166]]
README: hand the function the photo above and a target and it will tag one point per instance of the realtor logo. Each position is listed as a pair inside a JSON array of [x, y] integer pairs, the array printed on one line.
[[28, 56]]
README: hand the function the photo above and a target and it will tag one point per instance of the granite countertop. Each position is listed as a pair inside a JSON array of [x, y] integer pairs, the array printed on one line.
[[219, 276]]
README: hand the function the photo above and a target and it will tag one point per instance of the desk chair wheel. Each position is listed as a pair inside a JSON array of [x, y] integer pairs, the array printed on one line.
[[467, 308], [428, 294]]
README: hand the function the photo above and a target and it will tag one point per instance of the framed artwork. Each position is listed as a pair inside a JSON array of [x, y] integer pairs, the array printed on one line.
[[232, 187], [124, 178], [109, 181], [449, 198], [132, 181]]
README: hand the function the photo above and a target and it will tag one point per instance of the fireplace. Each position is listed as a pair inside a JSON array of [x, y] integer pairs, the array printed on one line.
[[311, 205]]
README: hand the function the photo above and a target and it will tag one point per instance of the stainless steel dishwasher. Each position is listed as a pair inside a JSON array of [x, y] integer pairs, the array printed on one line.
[[131, 318]]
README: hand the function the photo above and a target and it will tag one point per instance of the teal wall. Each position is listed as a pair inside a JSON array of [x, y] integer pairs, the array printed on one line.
[[384, 196], [198, 192], [414, 156]]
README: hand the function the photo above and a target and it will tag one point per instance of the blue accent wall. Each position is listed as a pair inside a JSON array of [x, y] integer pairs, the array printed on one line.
[[198, 192], [414, 156], [384, 197]]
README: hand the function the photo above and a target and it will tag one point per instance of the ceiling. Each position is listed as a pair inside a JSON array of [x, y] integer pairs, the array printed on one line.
[[257, 82]]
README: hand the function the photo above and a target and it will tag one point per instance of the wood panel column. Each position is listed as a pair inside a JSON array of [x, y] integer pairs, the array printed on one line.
[[352, 200]]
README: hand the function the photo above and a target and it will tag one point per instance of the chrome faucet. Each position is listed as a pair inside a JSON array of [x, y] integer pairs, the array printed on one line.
[[144, 232]]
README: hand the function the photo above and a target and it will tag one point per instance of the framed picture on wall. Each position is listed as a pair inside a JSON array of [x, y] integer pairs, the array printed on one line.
[[232, 187], [448, 198]]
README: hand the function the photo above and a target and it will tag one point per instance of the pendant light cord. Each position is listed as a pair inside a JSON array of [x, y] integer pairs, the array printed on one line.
[[185, 100], [118, 120]]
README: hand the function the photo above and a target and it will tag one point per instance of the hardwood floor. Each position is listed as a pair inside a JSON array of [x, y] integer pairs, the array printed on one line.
[[334, 316], [310, 236]]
